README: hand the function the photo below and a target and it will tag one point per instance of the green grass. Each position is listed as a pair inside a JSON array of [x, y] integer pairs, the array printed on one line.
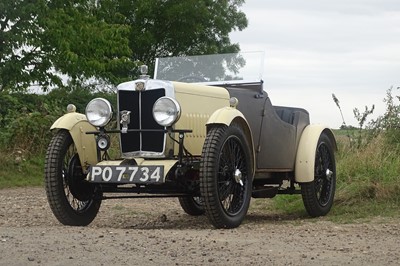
[[21, 172], [368, 183], [291, 208]]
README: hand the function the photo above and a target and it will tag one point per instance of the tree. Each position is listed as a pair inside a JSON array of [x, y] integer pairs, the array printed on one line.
[[84, 45], [42, 41], [173, 27], [19, 49]]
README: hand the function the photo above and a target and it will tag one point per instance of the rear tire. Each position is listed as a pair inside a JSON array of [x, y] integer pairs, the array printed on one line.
[[318, 195], [226, 176], [192, 205], [72, 200]]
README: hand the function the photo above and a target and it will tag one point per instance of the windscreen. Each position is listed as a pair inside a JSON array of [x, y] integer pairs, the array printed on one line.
[[217, 68]]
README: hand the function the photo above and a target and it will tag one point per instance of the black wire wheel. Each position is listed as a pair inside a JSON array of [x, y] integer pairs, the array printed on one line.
[[318, 195], [192, 205], [226, 176], [72, 200]]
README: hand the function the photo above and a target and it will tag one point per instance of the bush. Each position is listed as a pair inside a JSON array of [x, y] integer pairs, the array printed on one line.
[[25, 119]]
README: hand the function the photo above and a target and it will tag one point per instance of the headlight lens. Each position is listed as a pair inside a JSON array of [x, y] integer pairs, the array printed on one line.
[[99, 112], [166, 111]]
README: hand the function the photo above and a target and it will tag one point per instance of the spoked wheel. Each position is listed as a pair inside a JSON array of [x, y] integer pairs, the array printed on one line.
[[226, 176], [318, 195], [72, 200], [192, 205]]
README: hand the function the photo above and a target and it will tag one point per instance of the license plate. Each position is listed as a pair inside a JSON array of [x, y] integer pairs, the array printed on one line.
[[126, 174]]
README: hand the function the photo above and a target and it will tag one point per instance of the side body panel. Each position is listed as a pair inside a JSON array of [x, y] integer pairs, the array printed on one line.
[[277, 144], [275, 137], [198, 103], [251, 106], [305, 158], [77, 125]]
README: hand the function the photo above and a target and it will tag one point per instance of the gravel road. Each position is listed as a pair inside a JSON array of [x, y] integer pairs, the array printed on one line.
[[157, 232]]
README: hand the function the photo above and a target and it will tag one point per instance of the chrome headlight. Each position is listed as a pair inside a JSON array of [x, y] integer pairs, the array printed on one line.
[[99, 112], [166, 111]]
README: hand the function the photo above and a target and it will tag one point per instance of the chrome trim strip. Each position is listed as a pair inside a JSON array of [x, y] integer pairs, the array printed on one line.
[[140, 121], [155, 69]]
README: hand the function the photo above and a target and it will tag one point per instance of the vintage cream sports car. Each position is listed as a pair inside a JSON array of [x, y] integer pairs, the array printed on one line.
[[203, 130]]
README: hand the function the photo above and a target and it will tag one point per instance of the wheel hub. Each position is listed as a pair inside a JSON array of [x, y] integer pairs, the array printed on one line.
[[328, 174], [238, 177]]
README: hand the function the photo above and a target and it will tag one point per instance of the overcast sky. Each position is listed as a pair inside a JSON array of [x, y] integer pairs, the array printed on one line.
[[315, 48]]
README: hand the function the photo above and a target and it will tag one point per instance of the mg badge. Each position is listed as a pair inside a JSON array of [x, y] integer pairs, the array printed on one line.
[[139, 86]]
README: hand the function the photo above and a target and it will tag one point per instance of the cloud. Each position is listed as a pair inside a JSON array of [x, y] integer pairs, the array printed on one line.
[[327, 6], [315, 48]]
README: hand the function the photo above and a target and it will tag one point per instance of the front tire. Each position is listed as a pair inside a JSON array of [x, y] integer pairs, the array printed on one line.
[[318, 195], [72, 200], [226, 176]]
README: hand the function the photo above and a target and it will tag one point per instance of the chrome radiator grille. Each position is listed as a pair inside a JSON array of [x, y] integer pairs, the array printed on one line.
[[140, 104]]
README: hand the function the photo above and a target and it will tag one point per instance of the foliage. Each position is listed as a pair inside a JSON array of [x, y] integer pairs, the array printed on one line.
[[362, 120], [174, 28], [100, 42], [43, 40], [389, 123], [19, 28], [83, 44], [25, 119], [337, 102], [357, 138], [386, 126]]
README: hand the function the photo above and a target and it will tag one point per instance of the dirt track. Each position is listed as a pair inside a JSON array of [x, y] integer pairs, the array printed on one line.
[[157, 232]]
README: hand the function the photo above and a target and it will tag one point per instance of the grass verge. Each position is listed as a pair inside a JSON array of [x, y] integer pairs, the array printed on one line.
[[368, 184], [18, 171]]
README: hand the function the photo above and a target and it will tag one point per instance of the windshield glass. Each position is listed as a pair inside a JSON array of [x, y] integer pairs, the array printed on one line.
[[217, 68]]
